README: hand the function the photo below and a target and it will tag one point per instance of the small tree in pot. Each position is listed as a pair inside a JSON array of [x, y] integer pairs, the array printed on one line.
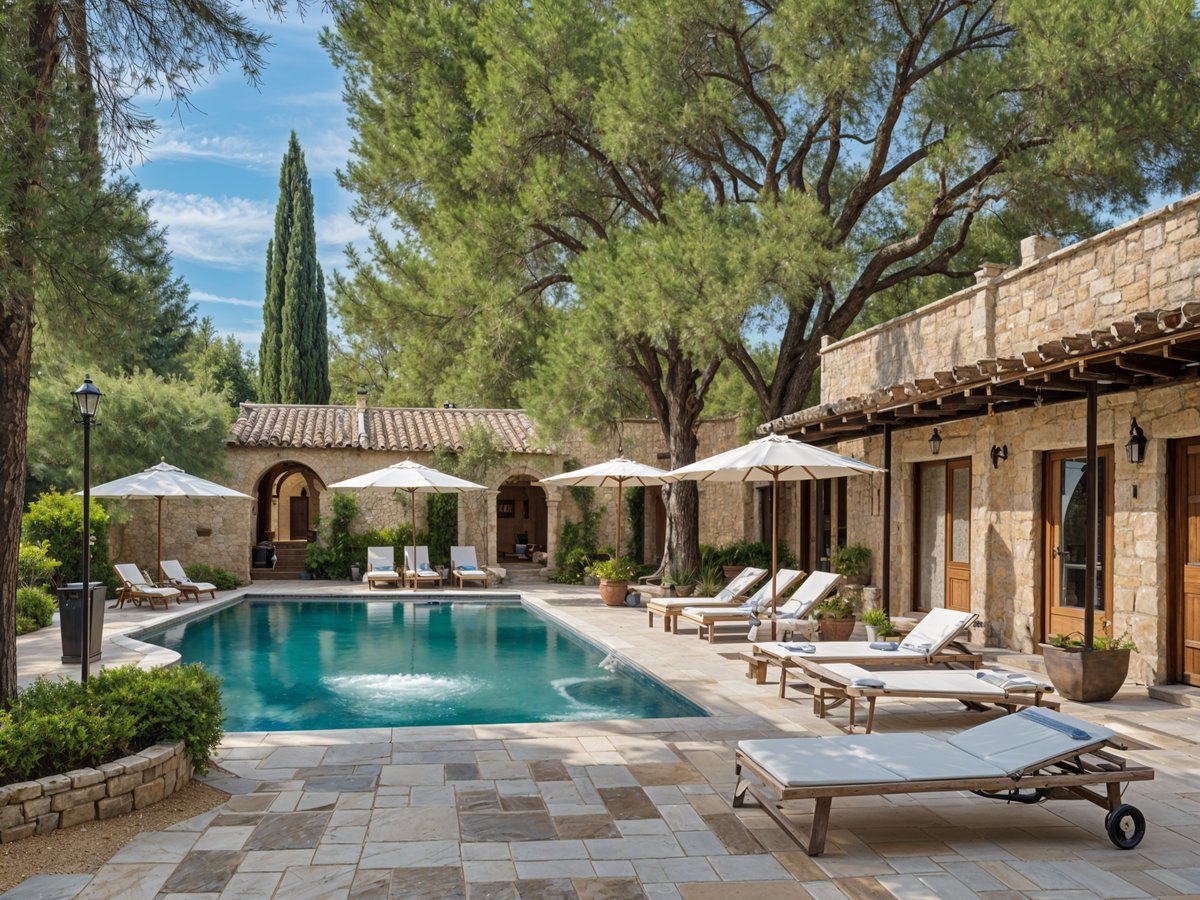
[[682, 582], [837, 616], [853, 563], [614, 578], [1088, 676], [879, 625]]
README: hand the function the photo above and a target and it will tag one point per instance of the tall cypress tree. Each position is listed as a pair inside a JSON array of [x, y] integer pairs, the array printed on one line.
[[294, 355]]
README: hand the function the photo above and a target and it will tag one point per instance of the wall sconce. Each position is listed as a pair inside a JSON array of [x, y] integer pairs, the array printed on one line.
[[1136, 446], [935, 442], [998, 453]]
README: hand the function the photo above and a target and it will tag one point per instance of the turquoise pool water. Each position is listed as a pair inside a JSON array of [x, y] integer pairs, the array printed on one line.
[[293, 665]]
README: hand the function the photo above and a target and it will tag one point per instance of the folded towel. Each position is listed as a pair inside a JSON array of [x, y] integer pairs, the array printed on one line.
[[800, 648], [864, 681], [1007, 680], [884, 645], [915, 646], [423, 567], [1075, 734], [468, 568]]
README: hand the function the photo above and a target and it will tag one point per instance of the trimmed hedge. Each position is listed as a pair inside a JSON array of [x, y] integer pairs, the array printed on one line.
[[57, 726], [35, 609], [221, 579]]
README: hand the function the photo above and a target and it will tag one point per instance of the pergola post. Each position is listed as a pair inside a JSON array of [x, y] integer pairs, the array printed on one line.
[[885, 589], [1091, 484]]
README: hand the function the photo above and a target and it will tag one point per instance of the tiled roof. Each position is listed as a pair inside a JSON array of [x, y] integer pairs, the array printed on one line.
[[1133, 351], [386, 428]]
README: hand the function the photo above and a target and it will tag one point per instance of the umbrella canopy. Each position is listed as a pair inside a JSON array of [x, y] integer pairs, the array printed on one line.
[[415, 479], [160, 481], [616, 473], [773, 458]]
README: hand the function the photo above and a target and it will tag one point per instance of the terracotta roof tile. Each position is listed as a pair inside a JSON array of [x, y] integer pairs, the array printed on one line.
[[387, 428]]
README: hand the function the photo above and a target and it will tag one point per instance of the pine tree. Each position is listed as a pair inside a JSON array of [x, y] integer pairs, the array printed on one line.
[[294, 355]]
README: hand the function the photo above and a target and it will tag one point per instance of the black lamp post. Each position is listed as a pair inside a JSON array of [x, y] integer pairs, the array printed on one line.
[[87, 396], [1136, 446], [935, 442]]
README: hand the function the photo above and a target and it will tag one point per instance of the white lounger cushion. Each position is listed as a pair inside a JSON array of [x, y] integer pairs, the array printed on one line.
[[840, 650], [174, 571], [759, 603], [1019, 742], [951, 682], [936, 629], [381, 560], [865, 759]]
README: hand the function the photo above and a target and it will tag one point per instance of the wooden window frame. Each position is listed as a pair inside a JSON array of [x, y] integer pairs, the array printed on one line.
[[946, 465]]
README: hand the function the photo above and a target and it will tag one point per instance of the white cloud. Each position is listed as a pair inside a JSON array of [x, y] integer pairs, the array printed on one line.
[[206, 297], [227, 232], [325, 149], [177, 144]]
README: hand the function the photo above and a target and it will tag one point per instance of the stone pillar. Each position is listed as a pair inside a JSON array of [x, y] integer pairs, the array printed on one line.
[[552, 501], [491, 551]]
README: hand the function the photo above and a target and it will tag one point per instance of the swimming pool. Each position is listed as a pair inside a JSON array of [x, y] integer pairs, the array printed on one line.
[[291, 665]]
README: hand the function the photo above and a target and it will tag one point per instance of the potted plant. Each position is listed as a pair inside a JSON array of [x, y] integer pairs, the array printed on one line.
[[682, 582], [879, 625], [853, 563], [836, 616], [1088, 676], [710, 583], [614, 578]]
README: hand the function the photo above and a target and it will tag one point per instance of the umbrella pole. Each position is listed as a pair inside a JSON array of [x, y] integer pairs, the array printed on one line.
[[774, 551], [412, 503], [619, 492], [158, 559]]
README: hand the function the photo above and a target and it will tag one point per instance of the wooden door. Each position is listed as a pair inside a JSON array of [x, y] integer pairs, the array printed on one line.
[[942, 534], [1064, 514], [298, 520], [1187, 560]]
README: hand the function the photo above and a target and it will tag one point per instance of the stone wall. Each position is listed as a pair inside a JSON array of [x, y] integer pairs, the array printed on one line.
[[1007, 552], [83, 795], [1152, 261]]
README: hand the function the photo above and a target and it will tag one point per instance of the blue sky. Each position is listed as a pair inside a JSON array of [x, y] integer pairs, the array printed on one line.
[[212, 172]]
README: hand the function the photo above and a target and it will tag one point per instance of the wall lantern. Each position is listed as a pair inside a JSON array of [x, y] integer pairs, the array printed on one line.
[[935, 442], [998, 453], [1136, 445]]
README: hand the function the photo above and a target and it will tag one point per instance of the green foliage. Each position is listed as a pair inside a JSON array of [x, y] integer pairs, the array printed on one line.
[[332, 554], [35, 566], [571, 565], [746, 553], [55, 521], [397, 538], [635, 504], [837, 607], [612, 570], [852, 560], [1102, 641], [35, 609], [441, 511], [221, 579], [294, 353], [578, 541], [711, 582], [57, 726], [680, 577], [876, 617], [143, 418], [222, 366]]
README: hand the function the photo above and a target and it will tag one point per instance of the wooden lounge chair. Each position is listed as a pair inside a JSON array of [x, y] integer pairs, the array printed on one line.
[[465, 567], [933, 642], [1031, 756], [759, 606], [669, 608], [136, 587], [381, 567], [834, 684], [177, 578], [422, 572]]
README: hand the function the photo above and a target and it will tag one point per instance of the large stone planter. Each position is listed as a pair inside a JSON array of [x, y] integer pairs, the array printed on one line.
[[113, 789], [837, 629], [1086, 677], [613, 592]]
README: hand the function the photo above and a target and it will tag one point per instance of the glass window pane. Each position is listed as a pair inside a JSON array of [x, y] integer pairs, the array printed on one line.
[[931, 538], [1072, 556], [960, 522]]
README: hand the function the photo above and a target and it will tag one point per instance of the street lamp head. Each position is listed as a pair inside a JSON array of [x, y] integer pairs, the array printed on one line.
[[1136, 447], [935, 442], [87, 396]]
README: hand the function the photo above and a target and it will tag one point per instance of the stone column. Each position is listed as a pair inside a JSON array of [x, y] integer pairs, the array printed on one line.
[[491, 551], [552, 501]]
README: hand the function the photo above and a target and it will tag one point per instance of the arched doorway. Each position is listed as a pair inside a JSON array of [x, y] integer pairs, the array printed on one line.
[[520, 518], [287, 498]]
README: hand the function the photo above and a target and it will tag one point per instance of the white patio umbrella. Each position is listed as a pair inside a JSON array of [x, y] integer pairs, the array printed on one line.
[[160, 482], [773, 458], [615, 473], [415, 479]]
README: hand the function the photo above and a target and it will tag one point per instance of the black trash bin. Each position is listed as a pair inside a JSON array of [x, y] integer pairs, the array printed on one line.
[[70, 618]]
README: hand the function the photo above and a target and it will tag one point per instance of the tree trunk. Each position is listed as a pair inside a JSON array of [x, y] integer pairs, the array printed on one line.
[[16, 325], [681, 498]]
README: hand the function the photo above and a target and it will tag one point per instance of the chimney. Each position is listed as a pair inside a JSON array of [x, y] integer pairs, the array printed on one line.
[[360, 399], [988, 270], [360, 404], [1035, 247]]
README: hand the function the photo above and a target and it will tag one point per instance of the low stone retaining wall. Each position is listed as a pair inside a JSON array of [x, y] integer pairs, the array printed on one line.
[[113, 789]]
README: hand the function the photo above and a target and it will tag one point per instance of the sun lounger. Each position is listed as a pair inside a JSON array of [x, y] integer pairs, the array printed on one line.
[[381, 567], [759, 606], [423, 572], [670, 607], [932, 642], [136, 587], [1031, 756], [836, 683], [177, 578], [465, 567]]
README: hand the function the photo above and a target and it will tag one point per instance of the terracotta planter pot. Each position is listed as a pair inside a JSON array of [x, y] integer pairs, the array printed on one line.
[[859, 580], [613, 592], [683, 590], [1091, 677], [731, 572], [837, 629]]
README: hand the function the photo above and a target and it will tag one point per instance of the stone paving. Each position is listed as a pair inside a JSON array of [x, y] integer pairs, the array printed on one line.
[[628, 808]]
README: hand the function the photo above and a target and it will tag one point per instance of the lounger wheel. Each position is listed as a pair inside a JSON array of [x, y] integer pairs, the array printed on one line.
[[1126, 826]]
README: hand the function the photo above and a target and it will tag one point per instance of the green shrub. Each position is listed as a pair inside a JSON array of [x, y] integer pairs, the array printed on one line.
[[55, 521], [852, 560], [635, 506], [57, 726], [35, 566], [35, 609], [876, 617], [745, 553], [442, 515], [330, 556], [612, 570], [221, 579], [572, 565]]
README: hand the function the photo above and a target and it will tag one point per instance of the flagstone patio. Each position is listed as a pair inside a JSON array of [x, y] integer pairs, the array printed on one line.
[[631, 808]]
